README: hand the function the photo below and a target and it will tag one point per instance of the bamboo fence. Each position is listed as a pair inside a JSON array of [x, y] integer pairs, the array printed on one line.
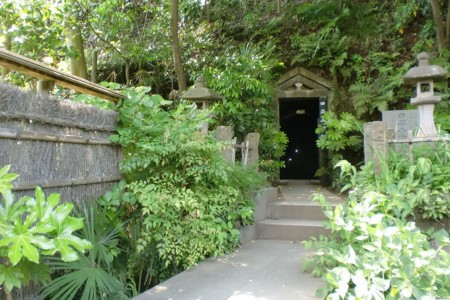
[[59, 145]]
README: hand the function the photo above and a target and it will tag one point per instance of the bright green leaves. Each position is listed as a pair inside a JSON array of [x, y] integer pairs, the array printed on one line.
[[242, 75], [10, 277], [373, 243], [31, 228], [20, 242], [44, 227], [64, 225], [339, 133], [6, 178], [187, 197]]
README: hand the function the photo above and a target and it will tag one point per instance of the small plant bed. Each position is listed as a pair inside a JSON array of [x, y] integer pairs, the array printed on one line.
[[375, 250], [180, 203]]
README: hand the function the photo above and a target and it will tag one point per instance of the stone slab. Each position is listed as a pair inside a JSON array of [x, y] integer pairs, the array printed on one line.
[[401, 121]]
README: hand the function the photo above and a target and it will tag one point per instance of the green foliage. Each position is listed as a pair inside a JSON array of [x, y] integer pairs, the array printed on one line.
[[97, 274], [341, 137], [339, 133], [243, 76], [369, 95], [373, 255], [365, 58], [33, 29], [421, 183], [374, 251], [32, 228], [187, 197]]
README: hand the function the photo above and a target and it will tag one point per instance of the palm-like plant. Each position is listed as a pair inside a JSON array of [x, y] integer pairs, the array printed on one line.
[[93, 276]]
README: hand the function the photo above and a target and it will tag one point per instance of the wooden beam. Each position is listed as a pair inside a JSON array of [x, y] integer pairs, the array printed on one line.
[[288, 75], [307, 83], [314, 77], [303, 93], [57, 183], [306, 75], [35, 69], [8, 133]]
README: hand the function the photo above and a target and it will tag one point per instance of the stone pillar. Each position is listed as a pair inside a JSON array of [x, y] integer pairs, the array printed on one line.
[[225, 134], [253, 151], [375, 143]]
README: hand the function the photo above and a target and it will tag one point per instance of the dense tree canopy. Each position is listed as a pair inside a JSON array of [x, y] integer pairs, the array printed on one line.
[[364, 47], [349, 41]]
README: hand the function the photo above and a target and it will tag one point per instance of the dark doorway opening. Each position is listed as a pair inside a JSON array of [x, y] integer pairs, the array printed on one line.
[[298, 119]]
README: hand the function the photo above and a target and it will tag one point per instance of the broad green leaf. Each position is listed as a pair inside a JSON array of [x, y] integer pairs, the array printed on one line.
[[4, 170], [321, 293], [42, 206], [361, 284], [18, 246], [350, 255], [11, 277], [69, 246]]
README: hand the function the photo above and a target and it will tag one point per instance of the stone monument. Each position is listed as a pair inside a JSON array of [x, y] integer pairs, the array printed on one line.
[[424, 77]]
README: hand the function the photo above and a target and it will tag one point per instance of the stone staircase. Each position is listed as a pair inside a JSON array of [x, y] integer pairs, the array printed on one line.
[[289, 213]]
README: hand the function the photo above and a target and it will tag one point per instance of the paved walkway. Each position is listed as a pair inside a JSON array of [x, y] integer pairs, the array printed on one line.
[[259, 270], [303, 191]]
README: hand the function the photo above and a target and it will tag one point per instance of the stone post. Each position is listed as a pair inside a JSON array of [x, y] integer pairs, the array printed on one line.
[[375, 143], [253, 151], [225, 134]]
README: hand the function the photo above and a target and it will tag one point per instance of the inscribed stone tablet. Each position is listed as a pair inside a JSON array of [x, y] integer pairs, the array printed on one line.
[[401, 121]]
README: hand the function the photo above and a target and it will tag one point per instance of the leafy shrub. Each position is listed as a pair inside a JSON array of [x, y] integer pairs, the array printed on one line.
[[98, 274], [420, 183], [33, 228], [374, 252], [243, 76], [187, 197], [342, 137]]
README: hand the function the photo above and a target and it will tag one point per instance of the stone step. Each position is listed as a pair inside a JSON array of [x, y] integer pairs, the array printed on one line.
[[304, 210], [289, 229]]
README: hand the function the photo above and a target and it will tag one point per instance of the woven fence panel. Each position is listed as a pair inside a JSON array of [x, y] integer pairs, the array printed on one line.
[[58, 145]]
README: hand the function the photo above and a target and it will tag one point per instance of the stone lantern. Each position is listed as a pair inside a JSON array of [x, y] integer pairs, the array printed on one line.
[[424, 77], [200, 94]]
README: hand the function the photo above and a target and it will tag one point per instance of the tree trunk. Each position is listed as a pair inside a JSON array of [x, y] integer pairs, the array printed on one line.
[[176, 49], [44, 86], [94, 66], [448, 25], [7, 44], [127, 73], [439, 24], [8, 295], [75, 40]]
